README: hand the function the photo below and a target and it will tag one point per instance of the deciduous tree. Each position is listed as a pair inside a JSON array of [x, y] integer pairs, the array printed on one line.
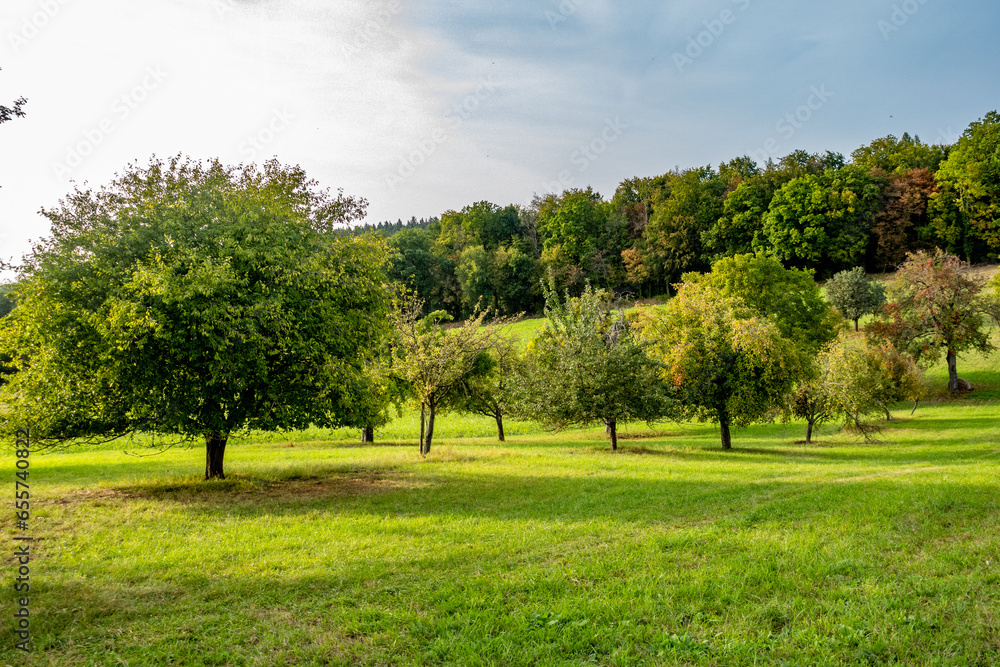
[[489, 389], [721, 361], [587, 366], [937, 305], [435, 361], [197, 299], [854, 295], [972, 171], [903, 223], [788, 297], [823, 222], [855, 378]]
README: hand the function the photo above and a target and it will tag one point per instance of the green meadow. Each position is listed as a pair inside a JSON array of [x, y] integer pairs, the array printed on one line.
[[548, 549]]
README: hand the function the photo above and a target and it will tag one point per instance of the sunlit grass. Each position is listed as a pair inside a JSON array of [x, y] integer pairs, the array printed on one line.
[[544, 550], [547, 549]]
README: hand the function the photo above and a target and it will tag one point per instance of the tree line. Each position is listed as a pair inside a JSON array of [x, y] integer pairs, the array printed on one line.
[[810, 211]]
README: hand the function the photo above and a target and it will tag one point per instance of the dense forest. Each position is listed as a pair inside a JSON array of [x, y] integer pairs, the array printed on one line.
[[820, 212]]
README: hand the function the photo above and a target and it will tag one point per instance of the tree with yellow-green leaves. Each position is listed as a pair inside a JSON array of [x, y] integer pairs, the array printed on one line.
[[721, 361]]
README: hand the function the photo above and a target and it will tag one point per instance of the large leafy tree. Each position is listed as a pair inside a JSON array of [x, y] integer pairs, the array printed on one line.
[[741, 222], [681, 215], [938, 305], [573, 221], [788, 297], [972, 174], [196, 299], [482, 223], [892, 155], [902, 224], [587, 366], [722, 361], [822, 222]]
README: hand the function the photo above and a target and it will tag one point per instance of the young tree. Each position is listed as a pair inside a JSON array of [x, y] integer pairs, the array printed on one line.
[[813, 402], [855, 378], [936, 304], [587, 366], [854, 295], [864, 379], [197, 299], [436, 361], [489, 389], [721, 361]]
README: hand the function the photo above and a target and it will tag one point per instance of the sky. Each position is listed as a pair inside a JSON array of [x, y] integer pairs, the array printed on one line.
[[422, 107]]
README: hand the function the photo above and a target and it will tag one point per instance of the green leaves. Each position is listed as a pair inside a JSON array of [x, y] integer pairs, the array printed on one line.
[[720, 361], [790, 298], [195, 298], [854, 295], [587, 366], [822, 221], [435, 361], [936, 305], [972, 173]]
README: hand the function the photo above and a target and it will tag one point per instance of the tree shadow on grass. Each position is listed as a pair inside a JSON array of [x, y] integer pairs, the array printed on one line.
[[600, 495]]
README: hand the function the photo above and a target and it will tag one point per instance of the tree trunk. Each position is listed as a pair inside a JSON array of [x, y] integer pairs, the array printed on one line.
[[613, 432], [368, 434], [915, 404], [499, 418], [423, 419], [952, 371], [856, 323], [727, 441], [430, 430], [215, 450], [809, 431], [888, 415]]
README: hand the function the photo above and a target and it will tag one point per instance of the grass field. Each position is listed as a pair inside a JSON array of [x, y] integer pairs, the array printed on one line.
[[546, 550]]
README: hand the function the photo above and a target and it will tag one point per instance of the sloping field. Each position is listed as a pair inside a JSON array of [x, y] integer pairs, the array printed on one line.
[[548, 550]]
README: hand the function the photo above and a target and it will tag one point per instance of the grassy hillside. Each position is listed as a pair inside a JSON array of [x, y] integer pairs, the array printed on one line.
[[547, 550]]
